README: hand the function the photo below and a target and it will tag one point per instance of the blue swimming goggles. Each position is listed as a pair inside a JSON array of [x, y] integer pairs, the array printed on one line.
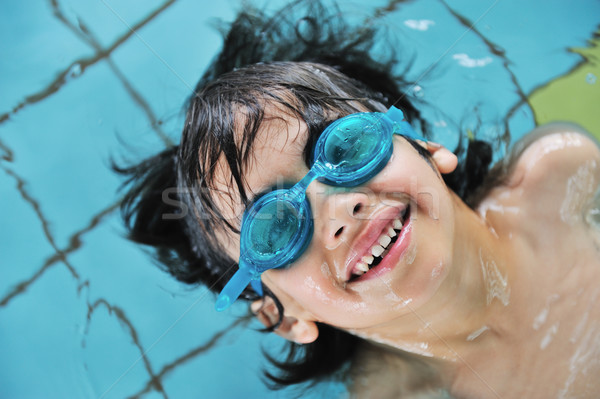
[[278, 227]]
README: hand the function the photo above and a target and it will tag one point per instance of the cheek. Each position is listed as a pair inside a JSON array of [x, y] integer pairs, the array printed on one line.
[[304, 284], [309, 286], [424, 277], [429, 259], [409, 174], [313, 288]]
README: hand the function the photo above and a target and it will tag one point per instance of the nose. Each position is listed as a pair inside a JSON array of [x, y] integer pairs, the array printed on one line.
[[338, 216]]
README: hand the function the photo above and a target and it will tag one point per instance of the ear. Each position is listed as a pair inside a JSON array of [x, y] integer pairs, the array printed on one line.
[[444, 159], [293, 329]]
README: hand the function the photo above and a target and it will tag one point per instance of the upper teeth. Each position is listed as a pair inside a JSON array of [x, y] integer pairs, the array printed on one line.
[[384, 240], [378, 248], [386, 237]]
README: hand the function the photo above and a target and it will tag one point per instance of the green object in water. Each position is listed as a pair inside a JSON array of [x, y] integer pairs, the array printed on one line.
[[575, 96]]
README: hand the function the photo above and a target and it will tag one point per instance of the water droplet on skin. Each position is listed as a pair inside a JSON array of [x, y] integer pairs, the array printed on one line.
[[496, 284], [475, 334], [383, 174], [590, 78], [411, 253], [579, 188], [550, 333]]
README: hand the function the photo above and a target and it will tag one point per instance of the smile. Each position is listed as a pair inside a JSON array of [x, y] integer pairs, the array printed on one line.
[[391, 243]]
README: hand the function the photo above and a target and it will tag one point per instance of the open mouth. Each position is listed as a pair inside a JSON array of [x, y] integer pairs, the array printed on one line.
[[381, 247]]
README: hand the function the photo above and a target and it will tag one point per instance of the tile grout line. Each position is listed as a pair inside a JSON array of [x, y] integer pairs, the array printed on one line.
[[21, 183], [59, 256], [134, 30], [498, 51], [210, 344], [85, 34], [155, 380], [77, 67]]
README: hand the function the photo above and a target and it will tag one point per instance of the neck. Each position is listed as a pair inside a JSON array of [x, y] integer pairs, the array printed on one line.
[[470, 309]]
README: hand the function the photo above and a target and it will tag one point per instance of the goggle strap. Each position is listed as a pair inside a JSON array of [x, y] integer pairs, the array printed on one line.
[[407, 130], [234, 287], [257, 286], [404, 128], [395, 114]]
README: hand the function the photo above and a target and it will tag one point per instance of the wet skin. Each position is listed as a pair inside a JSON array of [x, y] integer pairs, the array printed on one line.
[[514, 280], [347, 223]]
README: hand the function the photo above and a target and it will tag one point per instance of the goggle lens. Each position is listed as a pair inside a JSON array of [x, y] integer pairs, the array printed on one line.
[[272, 229], [349, 147], [355, 148]]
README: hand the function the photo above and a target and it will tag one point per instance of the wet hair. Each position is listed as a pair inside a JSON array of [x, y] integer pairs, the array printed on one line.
[[314, 67]]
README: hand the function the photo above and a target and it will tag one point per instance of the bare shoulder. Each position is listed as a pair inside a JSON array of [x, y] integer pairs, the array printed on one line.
[[553, 156]]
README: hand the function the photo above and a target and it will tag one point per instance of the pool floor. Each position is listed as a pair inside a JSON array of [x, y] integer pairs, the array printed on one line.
[[84, 313]]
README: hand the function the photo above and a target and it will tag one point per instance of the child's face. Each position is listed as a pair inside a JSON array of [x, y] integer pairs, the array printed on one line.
[[322, 284]]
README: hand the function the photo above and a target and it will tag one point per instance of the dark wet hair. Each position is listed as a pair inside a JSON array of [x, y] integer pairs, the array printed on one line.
[[308, 62]]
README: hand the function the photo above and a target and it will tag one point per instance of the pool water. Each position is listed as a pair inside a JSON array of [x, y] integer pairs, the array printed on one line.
[[86, 314]]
